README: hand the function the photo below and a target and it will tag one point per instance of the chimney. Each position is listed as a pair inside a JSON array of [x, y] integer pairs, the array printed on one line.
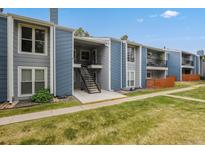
[[200, 52], [54, 15], [1, 10]]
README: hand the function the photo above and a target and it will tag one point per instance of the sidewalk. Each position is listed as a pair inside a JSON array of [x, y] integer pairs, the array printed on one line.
[[56, 112], [186, 98]]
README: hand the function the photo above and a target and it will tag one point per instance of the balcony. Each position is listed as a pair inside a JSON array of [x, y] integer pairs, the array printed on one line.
[[187, 62], [89, 64], [155, 62]]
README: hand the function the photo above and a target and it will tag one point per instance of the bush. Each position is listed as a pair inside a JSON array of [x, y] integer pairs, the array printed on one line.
[[42, 96], [202, 77]]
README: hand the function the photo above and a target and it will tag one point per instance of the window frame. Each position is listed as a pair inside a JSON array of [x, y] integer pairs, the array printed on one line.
[[88, 51], [128, 78], [33, 27], [33, 69], [129, 57], [150, 72]]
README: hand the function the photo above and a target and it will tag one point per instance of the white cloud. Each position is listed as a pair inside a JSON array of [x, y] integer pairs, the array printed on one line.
[[169, 14], [140, 20]]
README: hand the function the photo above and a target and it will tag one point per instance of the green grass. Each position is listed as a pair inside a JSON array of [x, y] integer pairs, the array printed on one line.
[[159, 120], [177, 86], [196, 93], [37, 108]]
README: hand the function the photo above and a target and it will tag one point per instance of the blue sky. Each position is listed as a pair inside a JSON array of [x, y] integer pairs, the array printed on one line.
[[173, 28]]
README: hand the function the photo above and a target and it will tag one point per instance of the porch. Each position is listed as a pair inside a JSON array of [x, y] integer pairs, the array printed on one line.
[[187, 59], [90, 57], [84, 97], [156, 58], [156, 74]]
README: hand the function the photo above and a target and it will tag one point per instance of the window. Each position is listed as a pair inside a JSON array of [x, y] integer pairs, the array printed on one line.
[[39, 80], [131, 55], [26, 42], [26, 81], [31, 80], [39, 40], [32, 40], [84, 55], [131, 79], [149, 74]]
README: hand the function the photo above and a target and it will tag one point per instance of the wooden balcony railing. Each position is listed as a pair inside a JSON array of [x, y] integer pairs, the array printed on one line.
[[156, 62], [190, 77], [161, 83]]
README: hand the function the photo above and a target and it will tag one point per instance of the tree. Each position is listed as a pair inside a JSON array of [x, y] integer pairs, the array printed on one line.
[[124, 37], [203, 58], [81, 32]]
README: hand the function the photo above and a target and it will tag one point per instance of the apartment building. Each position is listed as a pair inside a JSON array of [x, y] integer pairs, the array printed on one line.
[[38, 54]]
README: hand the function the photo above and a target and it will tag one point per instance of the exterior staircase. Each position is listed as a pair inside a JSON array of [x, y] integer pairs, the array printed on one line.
[[88, 80]]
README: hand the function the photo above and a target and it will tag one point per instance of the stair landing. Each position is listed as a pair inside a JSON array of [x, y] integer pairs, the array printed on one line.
[[85, 97]]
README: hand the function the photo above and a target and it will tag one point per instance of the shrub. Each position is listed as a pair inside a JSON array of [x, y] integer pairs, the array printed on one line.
[[42, 96], [202, 77]]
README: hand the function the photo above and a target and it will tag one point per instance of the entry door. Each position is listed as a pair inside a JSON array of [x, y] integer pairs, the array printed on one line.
[[95, 76], [94, 55]]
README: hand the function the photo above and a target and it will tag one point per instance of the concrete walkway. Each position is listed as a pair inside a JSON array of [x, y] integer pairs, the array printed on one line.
[[56, 112], [186, 98]]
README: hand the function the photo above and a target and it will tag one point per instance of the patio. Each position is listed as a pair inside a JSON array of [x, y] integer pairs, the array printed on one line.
[[84, 97]]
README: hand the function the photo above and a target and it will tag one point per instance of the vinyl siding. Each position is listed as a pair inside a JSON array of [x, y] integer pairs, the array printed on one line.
[[104, 72], [195, 64], [174, 66], [137, 68], [3, 59], [124, 58], [144, 67], [28, 60], [115, 65], [64, 68]]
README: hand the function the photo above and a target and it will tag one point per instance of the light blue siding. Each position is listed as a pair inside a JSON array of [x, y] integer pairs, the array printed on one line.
[[3, 59], [144, 67], [63, 63], [115, 65], [124, 65], [197, 65], [174, 65], [27, 59]]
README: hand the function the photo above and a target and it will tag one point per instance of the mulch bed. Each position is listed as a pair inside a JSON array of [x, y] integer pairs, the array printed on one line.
[[29, 103]]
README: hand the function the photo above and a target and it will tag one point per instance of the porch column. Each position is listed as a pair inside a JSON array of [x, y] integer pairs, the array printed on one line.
[[10, 31], [51, 59]]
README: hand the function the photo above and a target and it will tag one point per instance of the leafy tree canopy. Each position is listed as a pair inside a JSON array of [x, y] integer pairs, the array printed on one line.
[[80, 32], [124, 37]]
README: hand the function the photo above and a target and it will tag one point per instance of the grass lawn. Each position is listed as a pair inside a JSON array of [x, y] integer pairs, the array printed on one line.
[[177, 86], [41, 107], [159, 120], [196, 93]]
